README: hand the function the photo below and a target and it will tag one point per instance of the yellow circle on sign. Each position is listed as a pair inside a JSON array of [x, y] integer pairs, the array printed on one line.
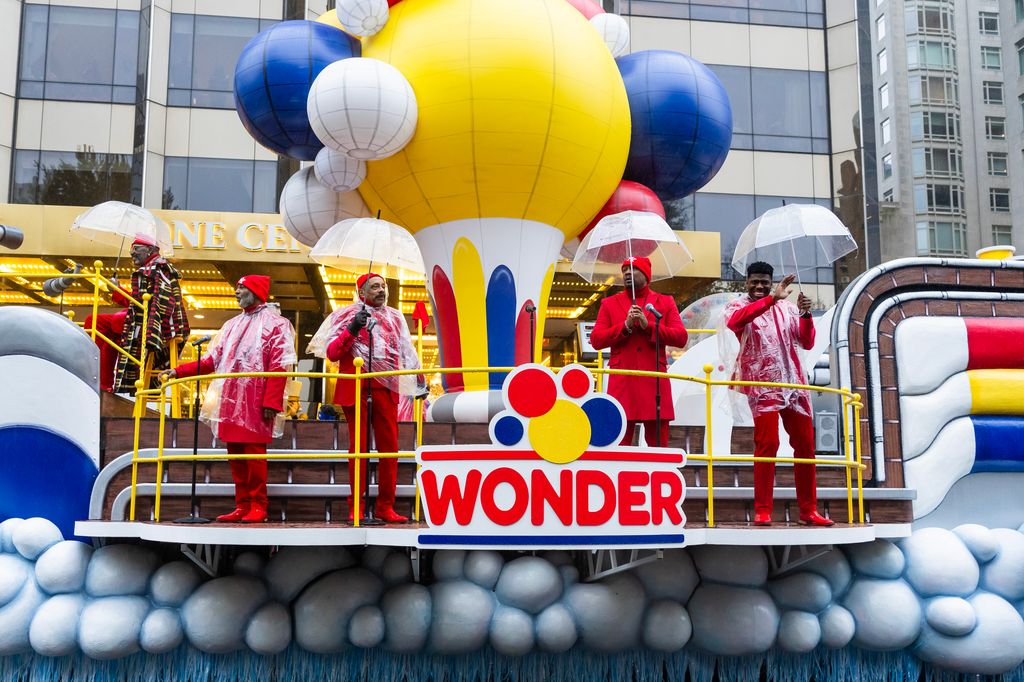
[[522, 113], [561, 435]]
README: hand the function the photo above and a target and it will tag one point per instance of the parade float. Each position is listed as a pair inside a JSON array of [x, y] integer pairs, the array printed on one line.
[[541, 549]]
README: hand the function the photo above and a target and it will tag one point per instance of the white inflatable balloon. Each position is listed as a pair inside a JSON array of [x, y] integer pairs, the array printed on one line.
[[362, 17], [363, 108], [614, 31], [337, 171], [309, 209]]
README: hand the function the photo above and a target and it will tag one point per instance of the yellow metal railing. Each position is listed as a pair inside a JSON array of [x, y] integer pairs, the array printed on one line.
[[851, 407]]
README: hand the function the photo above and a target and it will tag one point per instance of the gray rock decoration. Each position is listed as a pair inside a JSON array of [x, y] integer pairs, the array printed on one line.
[[951, 598]]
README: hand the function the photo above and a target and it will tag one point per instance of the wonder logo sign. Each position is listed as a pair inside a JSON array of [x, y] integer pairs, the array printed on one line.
[[554, 474]]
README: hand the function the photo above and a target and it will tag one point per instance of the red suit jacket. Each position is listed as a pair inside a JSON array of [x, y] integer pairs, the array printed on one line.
[[637, 351]]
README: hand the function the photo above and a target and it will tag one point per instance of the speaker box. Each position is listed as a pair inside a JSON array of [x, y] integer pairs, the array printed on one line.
[[826, 432]]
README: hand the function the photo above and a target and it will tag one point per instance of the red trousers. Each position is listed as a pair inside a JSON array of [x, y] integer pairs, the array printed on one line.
[[250, 475], [110, 325], [385, 436], [800, 429], [650, 429]]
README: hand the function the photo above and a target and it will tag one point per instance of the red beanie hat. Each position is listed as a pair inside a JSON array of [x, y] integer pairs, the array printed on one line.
[[640, 263], [363, 279], [144, 240], [259, 285]]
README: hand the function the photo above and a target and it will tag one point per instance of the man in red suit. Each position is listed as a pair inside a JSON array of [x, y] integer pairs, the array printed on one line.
[[769, 329], [346, 335], [244, 412], [626, 325]]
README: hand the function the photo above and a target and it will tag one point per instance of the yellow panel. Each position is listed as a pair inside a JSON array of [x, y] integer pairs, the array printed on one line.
[[471, 302], [522, 61], [450, 151], [542, 312], [996, 391]]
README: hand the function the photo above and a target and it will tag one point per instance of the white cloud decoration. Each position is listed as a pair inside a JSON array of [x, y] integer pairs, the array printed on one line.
[[363, 108]]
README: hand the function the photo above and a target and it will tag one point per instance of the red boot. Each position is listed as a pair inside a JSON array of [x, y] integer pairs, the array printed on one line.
[[389, 515], [234, 517], [257, 514], [815, 519], [762, 518]]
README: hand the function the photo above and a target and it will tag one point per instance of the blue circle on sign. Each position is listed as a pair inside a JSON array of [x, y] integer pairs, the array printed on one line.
[[508, 430], [605, 421]]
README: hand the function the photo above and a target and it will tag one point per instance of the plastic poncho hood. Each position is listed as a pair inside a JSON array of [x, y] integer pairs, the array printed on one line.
[[392, 344], [767, 350], [259, 340]]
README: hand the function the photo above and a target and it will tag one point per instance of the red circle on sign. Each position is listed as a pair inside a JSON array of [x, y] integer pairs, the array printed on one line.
[[575, 383], [532, 393]]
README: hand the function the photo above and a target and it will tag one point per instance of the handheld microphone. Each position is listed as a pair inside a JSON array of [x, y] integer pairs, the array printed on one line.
[[56, 286], [653, 311], [529, 307], [200, 341]]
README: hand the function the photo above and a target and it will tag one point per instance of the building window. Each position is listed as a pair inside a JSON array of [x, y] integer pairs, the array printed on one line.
[[999, 199], [886, 132], [940, 238], [57, 63], [204, 49], [988, 23], [887, 195], [930, 54], [935, 19], [1020, 57], [887, 166], [1002, 235], [880, 27], [81, 178], [883, 96], [992, 92], [797, 13], [932, 90], [938, 198], [997, 163], [991, 58], [198, 184], [995, 127], [883, 63], [934, 125], [936, 162], [791, 106], [1018, 6]]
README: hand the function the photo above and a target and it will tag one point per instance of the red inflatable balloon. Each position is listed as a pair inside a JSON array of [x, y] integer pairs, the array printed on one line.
[[588, 8], [628, 196]]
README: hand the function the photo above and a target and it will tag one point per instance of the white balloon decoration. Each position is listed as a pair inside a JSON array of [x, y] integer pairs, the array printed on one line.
[[363, 108], [614, 31], [362, 17], [337, 171], [309, 209]]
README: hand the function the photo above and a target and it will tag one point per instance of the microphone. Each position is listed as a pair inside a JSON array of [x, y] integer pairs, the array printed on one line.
[[200, 341], [56, 286], [653, 311], [11, 237], [529, 307]]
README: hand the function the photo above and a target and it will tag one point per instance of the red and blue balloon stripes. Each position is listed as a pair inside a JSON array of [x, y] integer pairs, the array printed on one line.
[[998, 443], [995, 343]]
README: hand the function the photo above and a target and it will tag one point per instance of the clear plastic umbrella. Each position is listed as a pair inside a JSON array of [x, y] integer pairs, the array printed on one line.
[[630, 233], [370, 245], [114, 222], [792, 238]]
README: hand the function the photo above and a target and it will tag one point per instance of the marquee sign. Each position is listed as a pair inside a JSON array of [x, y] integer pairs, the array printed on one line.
[[554, 474]]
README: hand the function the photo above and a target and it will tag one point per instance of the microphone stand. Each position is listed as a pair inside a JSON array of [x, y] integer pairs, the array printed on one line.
[[193, 517], [369, 520], [657, 368]]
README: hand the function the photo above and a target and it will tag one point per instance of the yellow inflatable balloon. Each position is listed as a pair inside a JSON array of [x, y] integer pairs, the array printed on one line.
[[522, 114], [330, 17]]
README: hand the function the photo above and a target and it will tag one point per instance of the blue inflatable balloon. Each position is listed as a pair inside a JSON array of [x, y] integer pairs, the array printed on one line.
[[682, 122], [272, 80]]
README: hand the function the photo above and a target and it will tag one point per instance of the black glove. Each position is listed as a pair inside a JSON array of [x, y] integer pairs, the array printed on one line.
[[358, 322]]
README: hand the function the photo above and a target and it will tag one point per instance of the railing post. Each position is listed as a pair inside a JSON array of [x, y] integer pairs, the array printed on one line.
[[96, 265], [600, 375], [856, 440], [135, 460], [847, 414], [707, 445], [162, 406], [354, 486]]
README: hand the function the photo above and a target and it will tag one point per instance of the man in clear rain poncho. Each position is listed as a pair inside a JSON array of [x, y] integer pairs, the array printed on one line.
[[348, 333], [246, 413], [770, 329]]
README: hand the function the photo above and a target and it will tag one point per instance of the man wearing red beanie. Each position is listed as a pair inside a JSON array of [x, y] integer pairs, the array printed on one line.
[[350, 333], [244, 412], [626, 325], [166, 318]]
